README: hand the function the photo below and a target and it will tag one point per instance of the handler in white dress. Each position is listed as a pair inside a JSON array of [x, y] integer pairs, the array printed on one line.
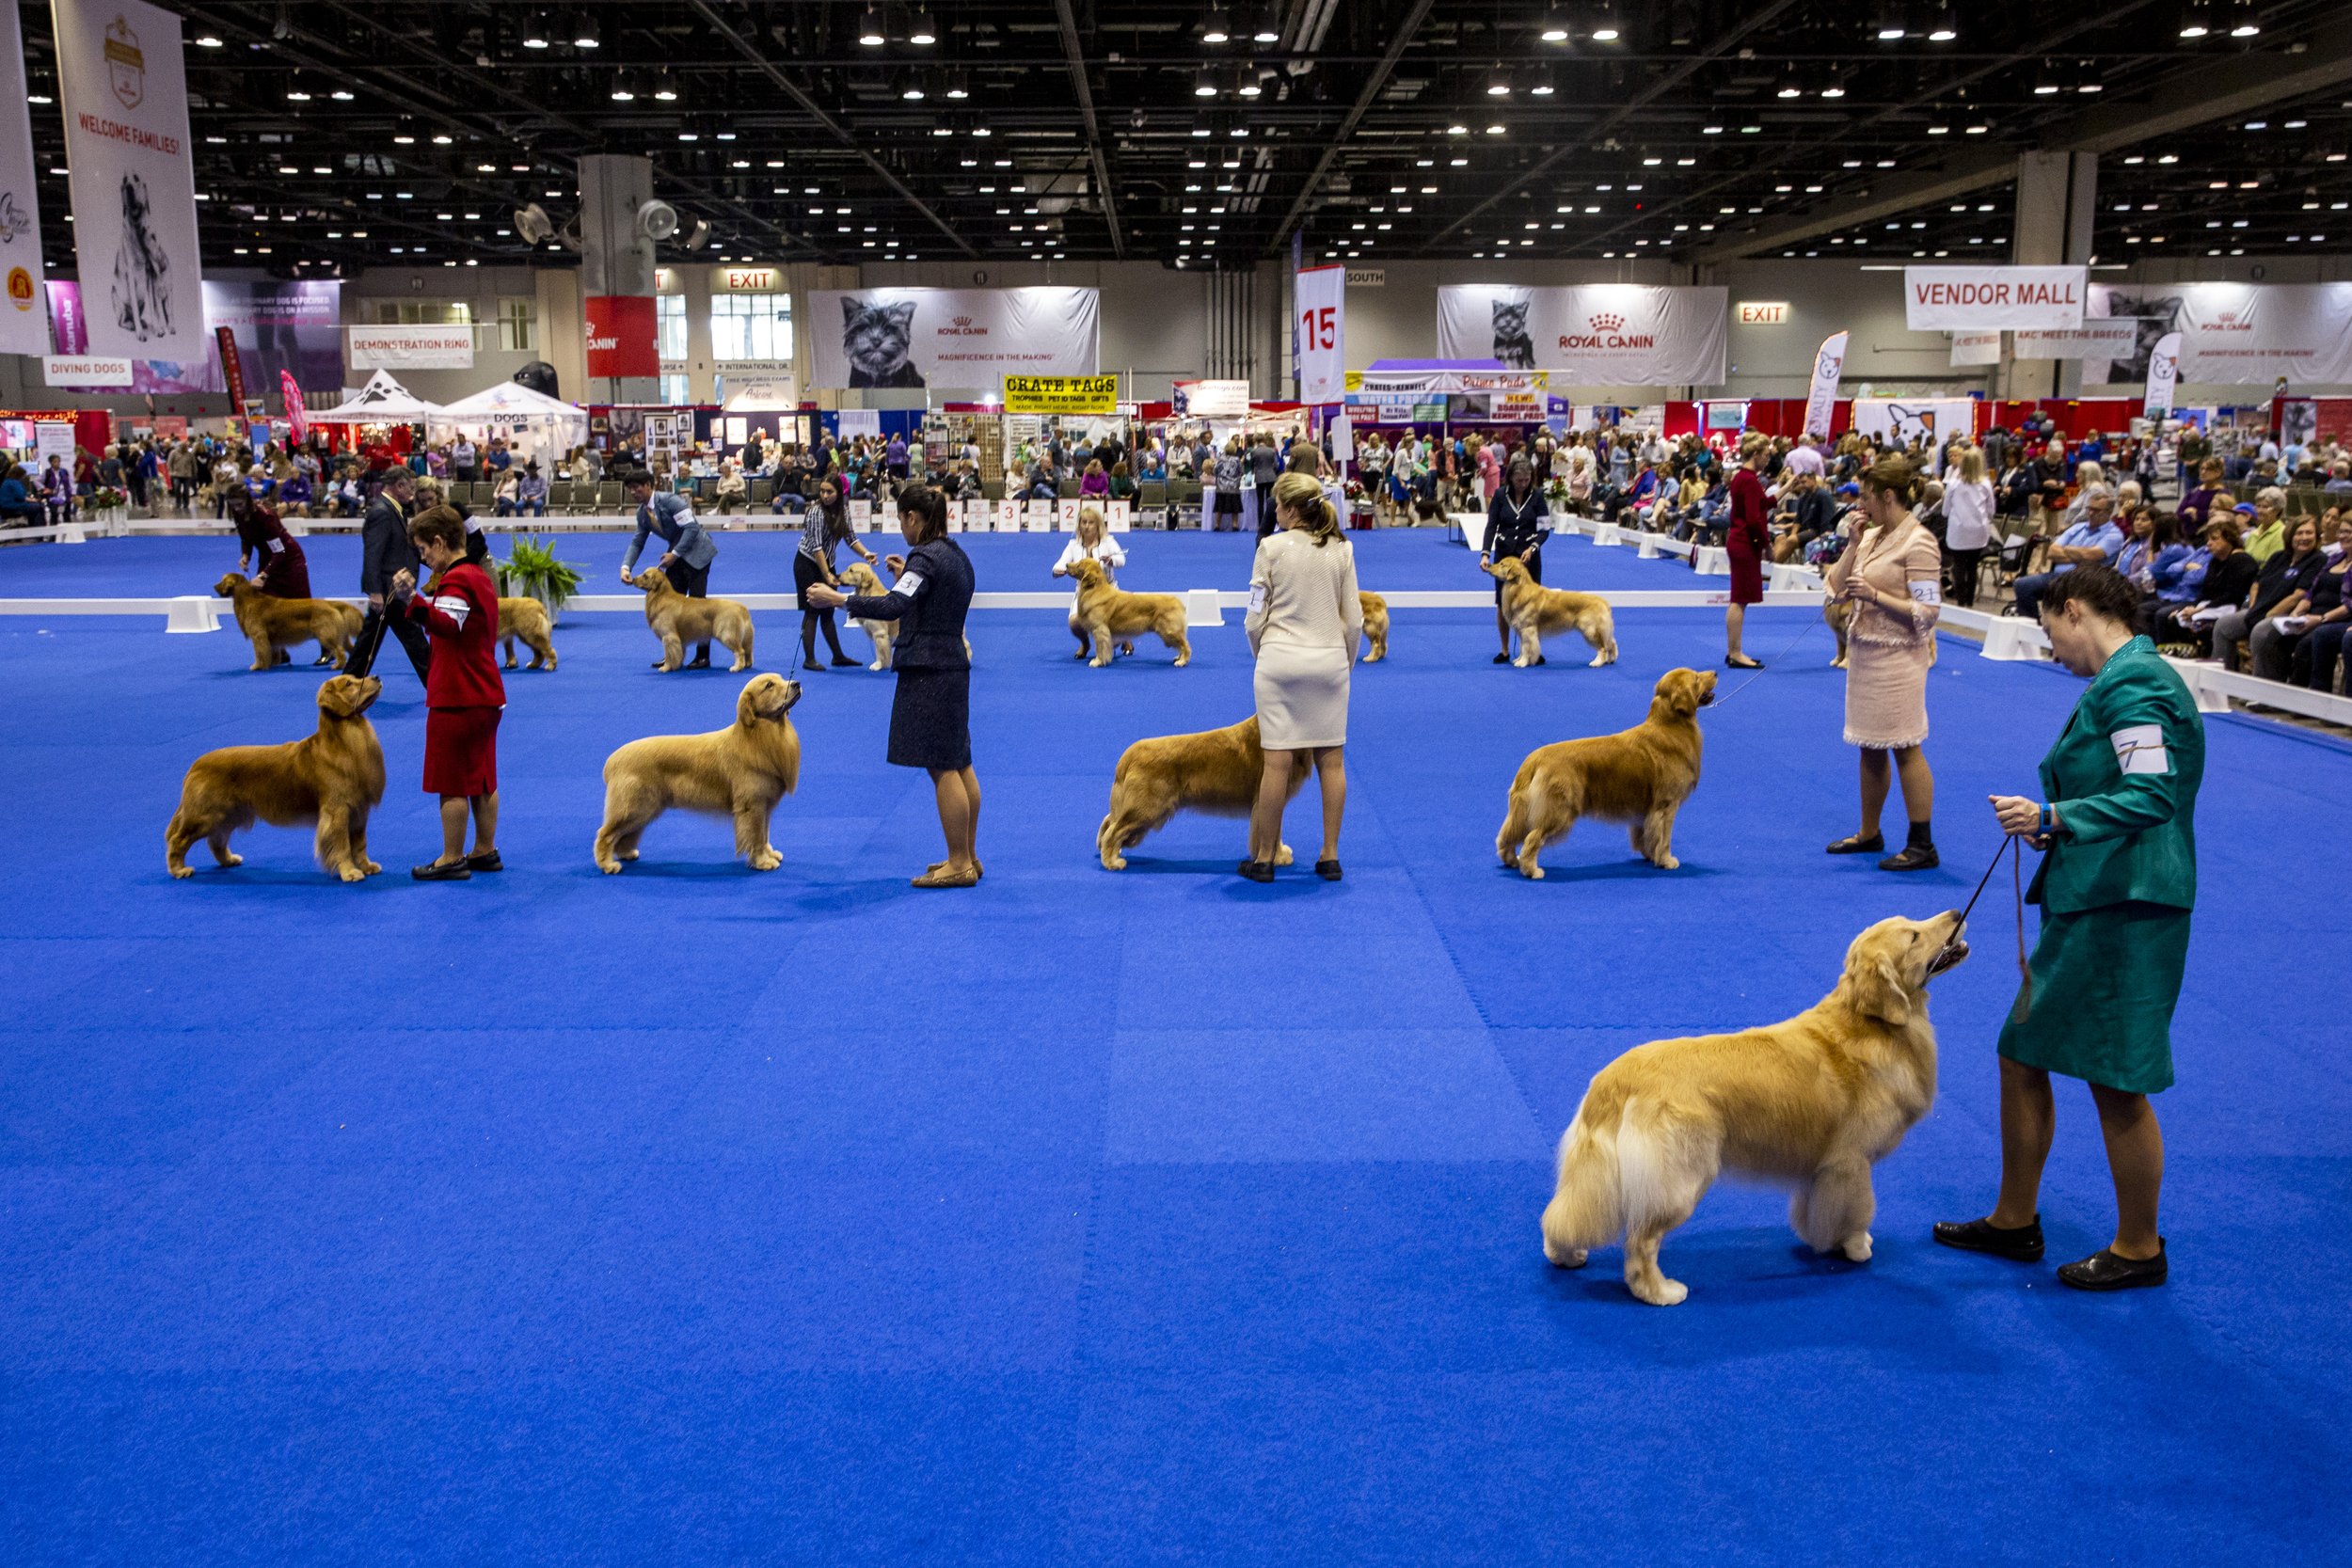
[[1092, 542], [1305, 624]]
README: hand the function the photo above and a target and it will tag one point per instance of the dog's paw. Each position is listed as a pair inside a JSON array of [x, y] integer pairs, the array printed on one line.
[[374, 869], [1667, 862], [1182, 663], [180, 871], [1533, 872], [1857, 1248], [352, 874], [767, 860], [1563, 1257], [1665, 1292], [1282, 854], [232, 858], [611, 868]]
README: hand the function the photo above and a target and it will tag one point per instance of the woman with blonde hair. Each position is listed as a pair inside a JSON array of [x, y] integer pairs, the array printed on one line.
[[1967, 522], [1891, 574], [1749, 544], [1092, 542], [1305, 624]]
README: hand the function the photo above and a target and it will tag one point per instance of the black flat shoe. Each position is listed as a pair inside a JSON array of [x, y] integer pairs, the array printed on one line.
[[1742, 663], [1915, 857], [1857, 845], [2105, 1271], [2022, 1244], [1328, 870], [1503, 658], [701, 664], [842, 661], [489, 861], [433, 871], [1257, 871]]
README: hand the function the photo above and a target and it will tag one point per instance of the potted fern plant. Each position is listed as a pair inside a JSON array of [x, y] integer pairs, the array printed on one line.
[[532, 570]]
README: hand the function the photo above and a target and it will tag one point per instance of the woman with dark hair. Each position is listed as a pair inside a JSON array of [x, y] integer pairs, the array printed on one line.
[[284, 571], [2283, 578], [1749, 544], [1515, 531], [464, 694], [1892, 576], [2117, 882], [824, 529], [930, 714]]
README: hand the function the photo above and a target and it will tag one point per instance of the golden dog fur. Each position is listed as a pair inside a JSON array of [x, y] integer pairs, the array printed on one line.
[[860, 581], [678, 620], [1215, 772], [526, 620], [1639, 777], [741, 771], [1532, 610], [274, 624], [1107, 614], [1375, 627], [332, 778], [1813, 1102]]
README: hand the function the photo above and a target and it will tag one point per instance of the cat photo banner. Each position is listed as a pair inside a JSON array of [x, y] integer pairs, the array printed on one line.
[[1592, 334], [959, 337], [123, 88]]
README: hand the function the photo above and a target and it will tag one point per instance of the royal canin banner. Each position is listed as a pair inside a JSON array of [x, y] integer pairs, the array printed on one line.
[[1321, 294], [124, 92], [1821, 398], [963, 337], [23, 328], [2233, 334], [1593, 334], [1954, 299], [621, 337]]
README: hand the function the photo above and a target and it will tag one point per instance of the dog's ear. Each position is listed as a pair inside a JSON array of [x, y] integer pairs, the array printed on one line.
[[1680, 690], [1878, 988], [339, 696], [747, 705]]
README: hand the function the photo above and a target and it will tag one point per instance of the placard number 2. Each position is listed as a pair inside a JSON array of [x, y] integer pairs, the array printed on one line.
[[1322, 326]]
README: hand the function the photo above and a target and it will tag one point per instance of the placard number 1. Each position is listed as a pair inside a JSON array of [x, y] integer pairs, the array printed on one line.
[[1322, 325]]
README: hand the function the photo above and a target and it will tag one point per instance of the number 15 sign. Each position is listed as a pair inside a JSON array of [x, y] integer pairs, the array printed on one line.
[[1322, 296]]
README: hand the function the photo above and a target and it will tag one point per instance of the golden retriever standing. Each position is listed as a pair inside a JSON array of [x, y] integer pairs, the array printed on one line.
[[1376, 627], [741, 771], [527, 619], [678, 620], [1814, 1102], [333, 778], [1107, 614], [1639, 776], [860, 581], [1214, 771], [275, 625], [1533, 610]]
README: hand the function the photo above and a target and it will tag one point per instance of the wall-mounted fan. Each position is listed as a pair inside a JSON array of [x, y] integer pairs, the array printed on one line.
[[532, 223]]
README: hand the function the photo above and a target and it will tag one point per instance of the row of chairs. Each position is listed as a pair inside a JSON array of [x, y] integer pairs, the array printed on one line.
[[564, 498], [2303, 500]]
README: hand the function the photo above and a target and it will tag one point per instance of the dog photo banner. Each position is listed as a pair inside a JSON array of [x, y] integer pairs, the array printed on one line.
[[123, 88], [962, 338], [1591, 334], [24, 326]]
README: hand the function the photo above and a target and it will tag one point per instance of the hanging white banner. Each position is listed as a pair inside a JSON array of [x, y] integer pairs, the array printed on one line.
[[82, 370], [1211, 400], [124, 92], [2236, 334], [1976, 348], [1820, 399], [1946, 299], [964, 338], [2164, 372], [1593, 334], [23, 314], [1321, 294], [1899, 421], [2098, 337], [411, 348]]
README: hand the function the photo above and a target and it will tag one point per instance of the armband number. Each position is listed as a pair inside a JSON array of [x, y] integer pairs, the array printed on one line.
[[2140, 748], [1926, 593], [909, 584], [1256, 597]]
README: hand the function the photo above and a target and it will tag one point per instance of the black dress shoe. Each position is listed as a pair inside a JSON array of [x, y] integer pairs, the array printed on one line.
[[840, 661], [2022, 1244], [1328, 870], [1503, 658], [700, 661], [2106, 1271], [433, 871], [1915, 857], [485, 862], [1857, 845], [1257, 871]]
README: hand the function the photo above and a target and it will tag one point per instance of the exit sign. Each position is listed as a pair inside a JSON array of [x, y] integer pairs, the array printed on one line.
[[1763, 312]]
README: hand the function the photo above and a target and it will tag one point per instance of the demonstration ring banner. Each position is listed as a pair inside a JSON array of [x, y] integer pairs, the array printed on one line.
[[1954, 299], [123, 88], [962, 338], [1061, 394], [23, 319], [1592, 334], [2233, 334]]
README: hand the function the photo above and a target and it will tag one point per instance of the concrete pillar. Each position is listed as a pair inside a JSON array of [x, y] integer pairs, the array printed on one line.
[[2057, 197], [562, 329], [614, 258]]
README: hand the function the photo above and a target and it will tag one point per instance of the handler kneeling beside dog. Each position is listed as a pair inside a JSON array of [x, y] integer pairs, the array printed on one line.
[[464, 694]]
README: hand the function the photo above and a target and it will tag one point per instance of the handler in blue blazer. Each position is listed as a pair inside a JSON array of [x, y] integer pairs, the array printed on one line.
[[2117, 882], [686, 563]]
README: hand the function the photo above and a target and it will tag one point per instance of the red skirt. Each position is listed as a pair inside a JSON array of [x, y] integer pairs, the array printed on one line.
[[1747, 574], [461, 750]]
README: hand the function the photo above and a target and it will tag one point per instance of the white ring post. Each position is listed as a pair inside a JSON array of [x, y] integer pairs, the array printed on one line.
[[1712, 560], [192, 612], [1202, 608]]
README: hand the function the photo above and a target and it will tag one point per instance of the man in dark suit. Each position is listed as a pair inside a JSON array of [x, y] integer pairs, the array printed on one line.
[[384, 552]]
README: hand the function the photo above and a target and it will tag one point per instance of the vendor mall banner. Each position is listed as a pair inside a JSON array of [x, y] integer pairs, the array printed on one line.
[[1061, 394], [411, 348], [2236, 334], [962, 338], [23, 328], [1953, 299], [123, 88], [1605, 334]]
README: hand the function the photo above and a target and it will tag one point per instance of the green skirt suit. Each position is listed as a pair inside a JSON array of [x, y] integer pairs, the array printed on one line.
[[2118, 881]]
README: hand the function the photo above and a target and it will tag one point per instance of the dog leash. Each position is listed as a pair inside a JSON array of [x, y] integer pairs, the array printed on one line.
[[2013, 847], [1819, 616]]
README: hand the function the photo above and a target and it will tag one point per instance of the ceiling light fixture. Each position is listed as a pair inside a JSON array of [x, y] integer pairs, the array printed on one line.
[[535, 31], [869, 29], [920, 29], [585, 34], [1217, 27]]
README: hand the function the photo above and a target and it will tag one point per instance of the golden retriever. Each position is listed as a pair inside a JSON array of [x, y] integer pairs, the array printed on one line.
[[274, 624], [1214, 771], [332, 778], [525, 619], [678, 620], [1639, 777], [1376, 627], [1533, 609], [1107, 614], [741, 771], [860, 581], [1813, 1102]]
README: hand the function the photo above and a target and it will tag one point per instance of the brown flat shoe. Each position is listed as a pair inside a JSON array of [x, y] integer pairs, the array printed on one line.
[[936, 866], [945, 877]]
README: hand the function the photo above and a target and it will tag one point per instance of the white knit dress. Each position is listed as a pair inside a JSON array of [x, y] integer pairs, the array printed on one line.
[[1305, 625]]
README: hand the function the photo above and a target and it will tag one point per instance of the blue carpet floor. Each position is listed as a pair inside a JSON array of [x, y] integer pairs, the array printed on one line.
[[696, 1215]]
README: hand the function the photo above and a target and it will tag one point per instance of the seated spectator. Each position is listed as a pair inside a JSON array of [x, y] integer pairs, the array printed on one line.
[[1094, 485], [1123, 483], [530, 493], [2338, 479], [18, 501], [293, 494], [503, 494], [2096, 537], [2278, 641], [2320, 651], [2220, 583], [2267, 533], [2286, 576], [2150, 545], [56, 490], [734, 490]]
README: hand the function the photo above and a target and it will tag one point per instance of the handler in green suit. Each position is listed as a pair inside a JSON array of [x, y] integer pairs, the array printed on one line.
[[2116, 888]]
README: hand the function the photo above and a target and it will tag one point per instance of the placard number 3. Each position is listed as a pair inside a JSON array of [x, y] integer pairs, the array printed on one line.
[[1322, 326]]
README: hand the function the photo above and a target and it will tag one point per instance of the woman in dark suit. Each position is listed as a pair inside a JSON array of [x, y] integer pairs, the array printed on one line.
[[931, 724], [1514, 529]]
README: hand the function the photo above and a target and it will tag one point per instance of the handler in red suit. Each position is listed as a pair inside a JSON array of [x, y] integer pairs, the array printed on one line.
[[285, 570], [1748, 542], [463, 692]]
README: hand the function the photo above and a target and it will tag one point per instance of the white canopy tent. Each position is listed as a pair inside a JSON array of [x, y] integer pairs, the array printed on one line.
[[532, 424], [382, 400]]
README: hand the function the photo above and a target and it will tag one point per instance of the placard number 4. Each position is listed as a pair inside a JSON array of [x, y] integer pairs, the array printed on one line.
[[1322, 326]]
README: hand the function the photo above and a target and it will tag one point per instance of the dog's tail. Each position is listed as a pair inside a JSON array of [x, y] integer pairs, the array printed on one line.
[[1588, 1204]]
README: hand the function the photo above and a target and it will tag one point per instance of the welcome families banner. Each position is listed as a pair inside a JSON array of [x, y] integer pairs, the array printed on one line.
[[22, 327], [123, 88], [2238, 334], [963, 337], [1605, 334]]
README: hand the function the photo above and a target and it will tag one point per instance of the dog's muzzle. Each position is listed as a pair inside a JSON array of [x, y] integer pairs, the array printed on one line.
[[1953, 950]]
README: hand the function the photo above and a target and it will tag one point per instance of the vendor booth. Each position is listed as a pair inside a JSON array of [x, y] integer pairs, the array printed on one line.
[[533, 425]]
